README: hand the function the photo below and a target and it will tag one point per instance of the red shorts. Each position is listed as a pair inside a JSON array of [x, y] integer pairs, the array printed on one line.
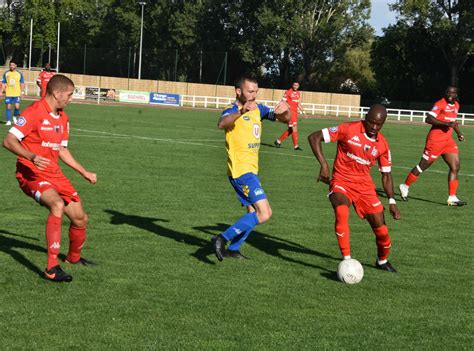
[[35, 185], [436, 148], [364, 199], [293, 119]]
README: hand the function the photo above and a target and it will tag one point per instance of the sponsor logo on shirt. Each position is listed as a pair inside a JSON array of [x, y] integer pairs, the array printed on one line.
[[258, 191], [358, 159], [256, 131], [46, 122], [354, 141], [21, 121], [54, 146], [333, 129], [246, 118], [374, 152]]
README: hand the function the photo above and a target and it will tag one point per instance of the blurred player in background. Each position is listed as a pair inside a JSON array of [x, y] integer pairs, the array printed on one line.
[[242, 122], [39, 139], [439, 142], [293, 97], [13, 84], [43, 79], [359, 145]]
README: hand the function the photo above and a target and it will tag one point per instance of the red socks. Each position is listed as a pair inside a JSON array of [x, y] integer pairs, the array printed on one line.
[[294, 135], [453, 187], [342, 229], [383, 242], [411, 178], [53, 239], [77, 237], [284, 136]]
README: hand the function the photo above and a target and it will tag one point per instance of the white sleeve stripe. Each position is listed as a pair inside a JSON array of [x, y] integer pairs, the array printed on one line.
[[385, 169], [64, 143], [431, 113], [16, 132], [327, 137]]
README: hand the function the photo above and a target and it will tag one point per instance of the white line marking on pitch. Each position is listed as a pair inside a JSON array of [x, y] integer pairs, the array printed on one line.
[[196, 142]]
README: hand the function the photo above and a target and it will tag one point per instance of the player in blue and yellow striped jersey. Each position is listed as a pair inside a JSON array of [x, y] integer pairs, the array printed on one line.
[[242, 122], [13, 84]]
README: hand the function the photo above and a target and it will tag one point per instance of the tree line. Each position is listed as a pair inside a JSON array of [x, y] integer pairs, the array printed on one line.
[[327, 45]]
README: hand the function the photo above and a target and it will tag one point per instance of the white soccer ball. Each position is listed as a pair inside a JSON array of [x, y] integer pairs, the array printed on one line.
[[350, 271]]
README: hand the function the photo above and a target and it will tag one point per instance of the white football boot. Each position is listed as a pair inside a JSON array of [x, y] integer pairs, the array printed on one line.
[[404, 191], [454, 201]]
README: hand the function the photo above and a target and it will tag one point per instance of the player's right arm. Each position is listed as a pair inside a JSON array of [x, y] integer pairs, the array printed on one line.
[[12, 144], [233, 113], [315, 141]]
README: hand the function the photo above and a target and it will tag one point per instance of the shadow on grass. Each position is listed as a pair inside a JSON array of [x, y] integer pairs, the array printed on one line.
[[10, 245], [149, 224], [381, 193], [273, 246]]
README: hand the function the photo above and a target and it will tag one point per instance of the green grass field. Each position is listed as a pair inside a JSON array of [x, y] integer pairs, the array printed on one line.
[[163, 193]]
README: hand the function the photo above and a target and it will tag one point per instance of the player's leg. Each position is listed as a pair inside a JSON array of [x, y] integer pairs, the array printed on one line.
[[264, 212], [294, 135], [412, 177], [341, 204], [452, 160], [249, 192], [382, 239], [282, 137], [77, 232], [8, 113], [51, 199], [16, 112]]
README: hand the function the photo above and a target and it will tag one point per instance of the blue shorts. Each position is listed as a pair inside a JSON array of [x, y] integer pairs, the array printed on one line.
[[248, 188], [12, 100]]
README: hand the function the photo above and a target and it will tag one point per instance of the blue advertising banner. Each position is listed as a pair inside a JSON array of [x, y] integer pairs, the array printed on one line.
[[164, 99]]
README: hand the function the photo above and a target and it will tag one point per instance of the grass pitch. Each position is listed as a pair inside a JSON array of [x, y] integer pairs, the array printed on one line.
[[161, 196]]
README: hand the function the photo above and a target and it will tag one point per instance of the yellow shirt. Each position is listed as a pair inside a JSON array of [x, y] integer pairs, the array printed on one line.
[[12, 81], [243, 139]]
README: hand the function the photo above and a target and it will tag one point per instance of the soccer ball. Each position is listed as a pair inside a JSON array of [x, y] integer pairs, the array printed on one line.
[[350, 271]]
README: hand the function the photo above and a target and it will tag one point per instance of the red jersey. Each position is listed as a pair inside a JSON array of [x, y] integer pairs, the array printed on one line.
[[292, 98], [444, 112], [357, 153], [44, 77], [43, 133]]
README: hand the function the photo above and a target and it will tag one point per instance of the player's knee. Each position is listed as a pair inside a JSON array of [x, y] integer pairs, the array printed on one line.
[[81, 221], [264, 215], [57, 207]]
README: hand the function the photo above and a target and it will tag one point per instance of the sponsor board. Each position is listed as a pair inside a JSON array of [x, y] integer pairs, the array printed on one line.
[[140, 97], [164, 99]]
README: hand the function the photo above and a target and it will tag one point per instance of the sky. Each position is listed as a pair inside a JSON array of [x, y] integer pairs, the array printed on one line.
[[381, 16]]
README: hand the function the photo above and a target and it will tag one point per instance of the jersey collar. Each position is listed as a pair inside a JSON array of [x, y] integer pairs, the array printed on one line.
[[362, 128], [49, 110]]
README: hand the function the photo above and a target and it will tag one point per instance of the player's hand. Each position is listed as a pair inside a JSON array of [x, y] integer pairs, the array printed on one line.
[[280, 108], [324, 175], [394, 211], [249, 106], [90, 177], [40, 162], [461, 137]]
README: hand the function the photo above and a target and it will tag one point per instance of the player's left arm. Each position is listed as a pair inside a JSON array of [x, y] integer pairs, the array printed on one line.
[[387, 182], [66, 156]]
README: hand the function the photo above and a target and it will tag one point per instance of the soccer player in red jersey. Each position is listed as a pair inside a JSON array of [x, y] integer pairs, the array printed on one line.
[[293, 97], [359, 145], [43, 79], [39, 139], [439, 142]]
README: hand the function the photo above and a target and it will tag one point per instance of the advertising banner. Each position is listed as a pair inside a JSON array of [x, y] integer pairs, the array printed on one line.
[[79, 93], [141, 97], [164, 99]]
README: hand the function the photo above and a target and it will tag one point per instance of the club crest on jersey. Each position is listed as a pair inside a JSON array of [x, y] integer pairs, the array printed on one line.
[[21, 121], [56, 129], [366, 148], [256, 131], [246, 118]]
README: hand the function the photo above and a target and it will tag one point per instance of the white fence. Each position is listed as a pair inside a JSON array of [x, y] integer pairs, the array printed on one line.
[[321, 109]]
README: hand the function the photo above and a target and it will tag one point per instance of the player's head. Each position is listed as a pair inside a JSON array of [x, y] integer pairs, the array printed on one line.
[[374, 120], [295, 86], [12, 66], [47, 67], [60, 89], [246, 88], [451, 94]]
